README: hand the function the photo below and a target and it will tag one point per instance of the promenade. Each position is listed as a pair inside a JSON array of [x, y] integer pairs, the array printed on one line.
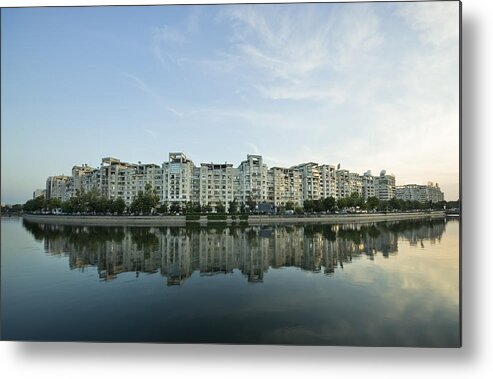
[[252, 219]]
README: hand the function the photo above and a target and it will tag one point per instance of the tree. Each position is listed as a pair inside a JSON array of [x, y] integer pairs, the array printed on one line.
[[342, 203], [233, 207], [220, 207], [145, 201], [308, 205], [34, 205], [118, 206], [329, 204], [289, 206], [175, 207], [53, 203], [163, 208], [372, 203], [251, 203]]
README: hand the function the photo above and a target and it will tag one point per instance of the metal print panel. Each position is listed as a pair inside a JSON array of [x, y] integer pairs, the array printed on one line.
[[242, 174]]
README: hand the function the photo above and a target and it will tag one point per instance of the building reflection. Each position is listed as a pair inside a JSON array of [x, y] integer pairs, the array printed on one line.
[[177, 253]]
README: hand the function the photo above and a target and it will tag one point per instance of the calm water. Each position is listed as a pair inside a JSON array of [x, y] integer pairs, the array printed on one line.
[[382, 284]]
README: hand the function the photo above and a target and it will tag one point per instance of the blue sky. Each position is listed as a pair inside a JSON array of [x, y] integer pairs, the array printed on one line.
[[370, 86]]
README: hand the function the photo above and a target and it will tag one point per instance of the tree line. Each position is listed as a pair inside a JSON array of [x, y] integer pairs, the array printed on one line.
[[147, 202]]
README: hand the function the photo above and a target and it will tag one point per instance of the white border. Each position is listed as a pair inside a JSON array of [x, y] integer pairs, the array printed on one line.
[[80, 360]]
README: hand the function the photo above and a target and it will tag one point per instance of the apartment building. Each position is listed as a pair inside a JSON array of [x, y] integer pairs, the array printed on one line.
[[178, 180], [252, 180], [218, 184], [343, 185], [178, 175], [285, 186], [385, 186], [368, 186], [310, 174], [59, 187], [328, 181], [422, 193]]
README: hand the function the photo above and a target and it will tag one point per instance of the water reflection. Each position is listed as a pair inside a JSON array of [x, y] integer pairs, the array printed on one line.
[[177, 252]]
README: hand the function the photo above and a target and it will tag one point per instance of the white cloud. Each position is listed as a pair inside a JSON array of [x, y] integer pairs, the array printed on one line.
[[294, 52], [437, 22]]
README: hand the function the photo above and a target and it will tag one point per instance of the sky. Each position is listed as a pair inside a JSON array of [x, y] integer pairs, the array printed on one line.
[[369, 86]]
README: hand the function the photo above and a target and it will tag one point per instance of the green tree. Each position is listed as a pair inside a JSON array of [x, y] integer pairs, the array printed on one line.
[[308, 205], [146, 200], [175, 207], [118, 206], [251, 203], [329, 204], [372, 203], [342, 203], [289, 206], [35, 205], [220, 208], [233, 207]]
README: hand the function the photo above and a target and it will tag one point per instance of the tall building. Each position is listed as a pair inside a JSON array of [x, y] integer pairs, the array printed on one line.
[[422, 193], [217, 183], [310, 176], [328, 181], [343, 184], [83, 178], [385, 186], [368, 186], [59, 187], [177, 179], [285, 186], [252, 177]]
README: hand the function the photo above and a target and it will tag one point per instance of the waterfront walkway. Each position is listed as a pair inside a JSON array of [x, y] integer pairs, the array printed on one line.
[[252, 219]]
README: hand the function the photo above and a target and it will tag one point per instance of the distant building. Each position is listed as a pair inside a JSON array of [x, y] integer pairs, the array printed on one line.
[[179, 181], [368, 185], [178, 175], [217, 184], [422, 193], [39, 192], [59, 187], [252, 177], [385, 186], [285, 186], [310, 178]]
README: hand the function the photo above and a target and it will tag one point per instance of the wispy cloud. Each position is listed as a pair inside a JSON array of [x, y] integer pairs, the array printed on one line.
[[289, 59], [151, 92]]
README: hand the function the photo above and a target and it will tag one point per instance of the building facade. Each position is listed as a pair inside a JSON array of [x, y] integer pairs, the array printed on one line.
[[252, 183], [423, 193]]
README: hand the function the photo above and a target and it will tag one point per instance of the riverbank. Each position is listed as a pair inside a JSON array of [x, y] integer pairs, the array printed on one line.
[[252, 219]]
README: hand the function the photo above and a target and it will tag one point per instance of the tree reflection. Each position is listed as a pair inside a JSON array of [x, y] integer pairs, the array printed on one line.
[[178, 252]]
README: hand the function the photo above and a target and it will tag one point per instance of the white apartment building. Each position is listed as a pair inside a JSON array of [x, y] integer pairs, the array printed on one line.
[[179, 181], [368, 186], [178, 175], [385, 186], [252, 177], [59, 187], [218, 184], [328, 181], [310, 174], [422, 193], [285, 185], [343, 184]]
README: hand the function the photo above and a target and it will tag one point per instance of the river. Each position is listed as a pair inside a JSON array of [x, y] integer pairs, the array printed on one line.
[[377, 284]]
